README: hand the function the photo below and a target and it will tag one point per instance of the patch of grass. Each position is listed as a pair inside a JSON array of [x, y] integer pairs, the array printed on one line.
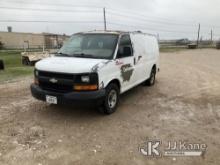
[[171, 49], [13, 66]]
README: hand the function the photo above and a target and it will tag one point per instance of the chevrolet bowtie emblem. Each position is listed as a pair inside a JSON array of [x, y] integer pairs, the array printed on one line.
[[53, 80]]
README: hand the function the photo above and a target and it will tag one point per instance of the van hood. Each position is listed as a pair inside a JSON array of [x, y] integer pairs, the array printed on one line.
[[68, 64]]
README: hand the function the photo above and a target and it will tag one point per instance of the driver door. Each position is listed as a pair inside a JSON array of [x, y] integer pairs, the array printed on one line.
[[125, 62]]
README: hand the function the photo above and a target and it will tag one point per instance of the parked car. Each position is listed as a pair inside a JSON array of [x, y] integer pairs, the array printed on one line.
[[192, 46], [218, 45], [184, 41], [97, 66]]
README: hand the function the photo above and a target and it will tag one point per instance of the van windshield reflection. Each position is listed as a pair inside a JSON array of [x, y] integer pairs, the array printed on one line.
[[100, 46]]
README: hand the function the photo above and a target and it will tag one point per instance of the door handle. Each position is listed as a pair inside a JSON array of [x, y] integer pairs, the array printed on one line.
[[139, 57]]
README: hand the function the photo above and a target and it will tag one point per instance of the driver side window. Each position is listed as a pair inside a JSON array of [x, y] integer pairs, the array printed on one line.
[[125, 47]]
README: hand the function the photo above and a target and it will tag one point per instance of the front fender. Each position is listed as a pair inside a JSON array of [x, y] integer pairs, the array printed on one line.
[[108, 73]]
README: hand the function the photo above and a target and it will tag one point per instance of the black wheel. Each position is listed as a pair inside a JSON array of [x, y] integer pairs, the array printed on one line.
[[25, 61], [2, 67], [32, 63], [151, 80], [111, 99]]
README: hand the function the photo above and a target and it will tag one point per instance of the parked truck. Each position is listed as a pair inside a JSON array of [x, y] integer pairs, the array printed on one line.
[[218, 45], [30, 57]]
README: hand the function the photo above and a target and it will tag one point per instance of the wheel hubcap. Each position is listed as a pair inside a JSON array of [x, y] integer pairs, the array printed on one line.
[[112, 98]]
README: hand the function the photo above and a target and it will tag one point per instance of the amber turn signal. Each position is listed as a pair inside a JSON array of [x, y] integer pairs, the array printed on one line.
[[85, 87]]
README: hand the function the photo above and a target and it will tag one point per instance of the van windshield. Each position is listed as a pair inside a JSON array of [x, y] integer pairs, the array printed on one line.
[[100, 46]]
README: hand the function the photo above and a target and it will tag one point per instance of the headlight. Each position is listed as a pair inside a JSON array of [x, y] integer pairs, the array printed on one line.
[[85, 79]]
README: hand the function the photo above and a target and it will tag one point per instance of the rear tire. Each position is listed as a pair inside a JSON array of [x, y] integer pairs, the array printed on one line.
[[152, 79], [25, 61], [111, 99]]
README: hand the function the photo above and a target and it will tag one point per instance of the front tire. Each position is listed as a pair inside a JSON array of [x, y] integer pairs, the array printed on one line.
[[111, 99]]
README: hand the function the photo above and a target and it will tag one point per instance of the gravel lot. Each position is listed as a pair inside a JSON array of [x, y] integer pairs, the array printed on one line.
[[184, 104]]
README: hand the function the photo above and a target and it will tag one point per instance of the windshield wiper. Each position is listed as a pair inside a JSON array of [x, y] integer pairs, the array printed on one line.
[[62, 54], [83, 55]]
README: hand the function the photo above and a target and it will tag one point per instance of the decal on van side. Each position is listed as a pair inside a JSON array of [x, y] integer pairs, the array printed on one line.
[[126, 72], [119, 62], [95, 68]]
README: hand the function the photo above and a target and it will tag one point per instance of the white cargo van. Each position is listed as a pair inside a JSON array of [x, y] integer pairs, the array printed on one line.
[[97, 66]]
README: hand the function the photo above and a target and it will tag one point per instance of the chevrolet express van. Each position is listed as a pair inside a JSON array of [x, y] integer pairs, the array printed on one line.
[[97, 66]]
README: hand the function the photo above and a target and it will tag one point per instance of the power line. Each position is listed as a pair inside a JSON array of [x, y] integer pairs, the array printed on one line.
[[147, 28], [135, 16], [147, 20], [44, 21], [86, 22], [150, 24], [55, 10], [168, 21], [46, 10], [84, 6], [89, 6], [207, 26], [98, 22], [128, 12], [56, 4]]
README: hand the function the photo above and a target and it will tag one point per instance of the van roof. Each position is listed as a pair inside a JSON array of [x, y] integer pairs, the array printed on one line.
[[113, 32]]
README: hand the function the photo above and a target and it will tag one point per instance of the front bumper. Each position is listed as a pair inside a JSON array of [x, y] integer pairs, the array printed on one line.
[[71, 97]]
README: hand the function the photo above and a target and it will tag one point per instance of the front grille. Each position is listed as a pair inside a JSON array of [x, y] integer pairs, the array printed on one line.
[[56, 75], [60, 88], [65, 81]]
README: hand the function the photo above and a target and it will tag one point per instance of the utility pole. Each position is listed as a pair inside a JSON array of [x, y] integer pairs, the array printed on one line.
[[198, 36], [158, 37], [211, 35], [105, 28]]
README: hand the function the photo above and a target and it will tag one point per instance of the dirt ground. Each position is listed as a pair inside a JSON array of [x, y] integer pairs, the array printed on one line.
[[184, 104]]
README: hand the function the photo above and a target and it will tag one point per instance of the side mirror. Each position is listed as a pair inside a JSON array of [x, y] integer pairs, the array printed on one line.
[[124, 51]]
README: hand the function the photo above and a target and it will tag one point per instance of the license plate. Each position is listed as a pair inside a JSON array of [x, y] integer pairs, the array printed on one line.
[[51, 99]]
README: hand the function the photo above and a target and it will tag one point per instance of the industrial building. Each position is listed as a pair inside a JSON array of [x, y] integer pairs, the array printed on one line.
[[19, 40]]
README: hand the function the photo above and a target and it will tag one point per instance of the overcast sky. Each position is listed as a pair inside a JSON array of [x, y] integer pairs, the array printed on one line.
[[168, 18]]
